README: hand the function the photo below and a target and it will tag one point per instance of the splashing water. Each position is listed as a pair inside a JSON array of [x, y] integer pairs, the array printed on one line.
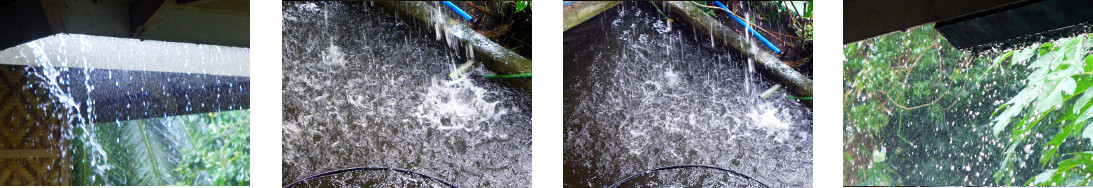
[[631, 107], [458, 104], [393, 104]]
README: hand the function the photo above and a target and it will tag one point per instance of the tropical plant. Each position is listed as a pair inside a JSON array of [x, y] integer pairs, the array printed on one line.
[[904, 84], [803, 25], [220, 152], [1056, 99], [520, 5], [202, 149], [136, 153]]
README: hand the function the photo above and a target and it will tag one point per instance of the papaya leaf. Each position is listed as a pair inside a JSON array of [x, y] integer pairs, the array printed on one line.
[[1065, 86], [1045, 48], [1042, 177], [1069, 172], [1053, 145], [1089, 64], [1022, 55]]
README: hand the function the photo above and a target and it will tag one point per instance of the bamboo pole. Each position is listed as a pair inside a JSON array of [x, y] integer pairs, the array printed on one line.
[[579, 12], [795, 82], [492, 55]]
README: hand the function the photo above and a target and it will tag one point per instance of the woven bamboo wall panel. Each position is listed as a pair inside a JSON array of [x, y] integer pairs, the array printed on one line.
[[28, 126], [43, 171]]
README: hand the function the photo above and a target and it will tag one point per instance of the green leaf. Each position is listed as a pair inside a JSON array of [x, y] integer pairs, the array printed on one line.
[[808, 9], [1074, 48], [1003, 57], [1063, 175], [1053, 145], [1045, 48], [1043, 177], [1083, 158], [1082, 102], [1089, 64], [1066, 85], [520, 5], [1023, 55]]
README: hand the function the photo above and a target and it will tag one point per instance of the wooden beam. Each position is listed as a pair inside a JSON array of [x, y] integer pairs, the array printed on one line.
[[146, 12], [235, 7], [54, 10]]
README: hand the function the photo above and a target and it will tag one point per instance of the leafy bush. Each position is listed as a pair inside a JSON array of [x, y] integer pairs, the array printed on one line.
[[913, 94], [200, 149], [221, 150], [1057, 98]]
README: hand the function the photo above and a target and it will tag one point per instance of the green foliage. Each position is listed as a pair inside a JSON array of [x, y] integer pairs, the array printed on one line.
[[878, 175], [1075, 171], [221, 150], [709, 11], [869, 120], [802, 9], [136, 153], [203, 149], [916, 74], [1057, 97], [520, 5], [890, 71], [1041, 126]]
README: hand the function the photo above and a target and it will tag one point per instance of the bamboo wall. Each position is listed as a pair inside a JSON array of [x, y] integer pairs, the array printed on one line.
[[31, 144]]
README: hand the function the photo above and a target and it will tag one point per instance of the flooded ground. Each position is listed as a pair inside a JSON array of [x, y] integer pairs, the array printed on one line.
[[641, 94], [364, 87]]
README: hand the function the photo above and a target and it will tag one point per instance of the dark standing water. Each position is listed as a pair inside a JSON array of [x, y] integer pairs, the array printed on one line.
[[640, 94], [364, 87]]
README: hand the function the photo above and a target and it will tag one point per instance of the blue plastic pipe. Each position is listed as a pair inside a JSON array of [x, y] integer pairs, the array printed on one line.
[[753, 32], [458, 11]]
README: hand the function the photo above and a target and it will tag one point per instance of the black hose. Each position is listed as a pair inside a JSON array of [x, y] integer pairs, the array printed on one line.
[[616, 184], [339, 171]]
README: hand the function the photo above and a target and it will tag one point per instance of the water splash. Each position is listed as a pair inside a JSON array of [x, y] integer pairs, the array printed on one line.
[[458, 104], [393, 104], [80, 114], [628, 100]]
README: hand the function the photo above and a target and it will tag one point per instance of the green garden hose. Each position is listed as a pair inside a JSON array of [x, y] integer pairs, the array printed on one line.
[[799, 98], [509, 76]]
